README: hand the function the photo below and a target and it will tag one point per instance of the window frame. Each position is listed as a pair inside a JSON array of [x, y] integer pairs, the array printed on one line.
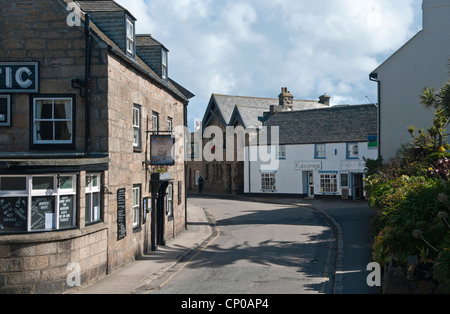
[[282, 152], [137, 127], [130, 41], [136, 205], [169, 201], [328, 182], [56, 192], [268, 181], [155, 122], [164, 64], [91, 190], [51, 144], [316, 151], [349, 154]]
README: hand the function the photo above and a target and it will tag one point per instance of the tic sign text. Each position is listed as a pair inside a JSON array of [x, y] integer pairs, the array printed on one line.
[[19, 77]]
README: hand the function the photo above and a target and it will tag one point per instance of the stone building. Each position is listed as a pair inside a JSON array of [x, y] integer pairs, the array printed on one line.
[[226, 176], [81, 95]]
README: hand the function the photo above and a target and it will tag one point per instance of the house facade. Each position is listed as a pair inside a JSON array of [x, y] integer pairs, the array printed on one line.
[[320, 153], [422, 62], [224, 175], [78, 193]]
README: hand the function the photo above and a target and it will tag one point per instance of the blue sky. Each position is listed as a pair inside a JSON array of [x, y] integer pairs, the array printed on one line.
[[255, 47]]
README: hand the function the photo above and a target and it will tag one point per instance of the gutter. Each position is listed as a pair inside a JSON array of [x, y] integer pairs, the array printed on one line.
[[87, 80]]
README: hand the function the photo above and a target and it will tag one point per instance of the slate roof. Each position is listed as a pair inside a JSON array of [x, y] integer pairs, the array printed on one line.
[[250, 108], [338, 124], [137, 63]]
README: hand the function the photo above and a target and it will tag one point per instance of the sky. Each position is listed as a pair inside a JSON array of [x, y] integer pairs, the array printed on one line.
[[256, 47]]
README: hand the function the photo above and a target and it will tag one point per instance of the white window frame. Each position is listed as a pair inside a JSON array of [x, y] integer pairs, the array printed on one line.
[[53, 120], [328, 182], [95, 215], [56, 192], [155, 122], [268, 181], [164, 64], [130, 36], [136, 205], [136, 126], [169, 124], [169, 204]]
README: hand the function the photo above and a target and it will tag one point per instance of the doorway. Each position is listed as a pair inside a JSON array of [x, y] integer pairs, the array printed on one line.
[[358, 186], [311, 184]]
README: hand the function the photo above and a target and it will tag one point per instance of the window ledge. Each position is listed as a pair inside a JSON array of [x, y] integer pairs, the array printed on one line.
[[51, 236]]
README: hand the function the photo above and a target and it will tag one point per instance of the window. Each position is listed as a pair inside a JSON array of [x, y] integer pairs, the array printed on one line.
[[344, 179], [136, 205], [352, 150], [164, 64], [281, 152], [130, 36], [328, 182], [37, 203], [170, 125], [169, 205], [180, 192], [53, 121], [137, 126], [5, 110], [155, 122], [268, 181], [320, 151], [92, 193]]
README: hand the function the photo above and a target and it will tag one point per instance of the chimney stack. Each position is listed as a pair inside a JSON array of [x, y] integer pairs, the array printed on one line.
[[286, 99], [325, 100]]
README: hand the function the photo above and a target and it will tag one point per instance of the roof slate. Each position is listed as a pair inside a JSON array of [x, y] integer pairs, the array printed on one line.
[[338, 124], [250, 108]]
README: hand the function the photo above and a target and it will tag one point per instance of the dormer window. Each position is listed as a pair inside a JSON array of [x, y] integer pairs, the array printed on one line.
[[164, 64], [130, 36]]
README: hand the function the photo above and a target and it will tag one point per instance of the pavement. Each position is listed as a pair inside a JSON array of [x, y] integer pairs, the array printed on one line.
[[350, 219], [137, 275]]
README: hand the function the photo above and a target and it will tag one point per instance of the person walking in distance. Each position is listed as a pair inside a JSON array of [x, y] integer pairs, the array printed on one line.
[[201, 184]]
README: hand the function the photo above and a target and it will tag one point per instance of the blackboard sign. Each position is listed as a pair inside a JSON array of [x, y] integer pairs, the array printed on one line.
[[121, 213], [13, 214], [43, 213], [66, 211]]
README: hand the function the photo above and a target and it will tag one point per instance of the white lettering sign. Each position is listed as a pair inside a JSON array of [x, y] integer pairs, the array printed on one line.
[[308, 165]]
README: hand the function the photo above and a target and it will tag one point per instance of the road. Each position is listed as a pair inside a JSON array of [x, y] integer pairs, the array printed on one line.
[[258, 248]]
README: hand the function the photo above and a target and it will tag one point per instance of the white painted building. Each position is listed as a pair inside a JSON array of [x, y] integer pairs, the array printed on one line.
[[421, 62], [320, 154]]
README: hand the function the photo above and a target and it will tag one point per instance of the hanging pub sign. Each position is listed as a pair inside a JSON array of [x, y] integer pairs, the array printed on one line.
[[19, 77], [161, 147]]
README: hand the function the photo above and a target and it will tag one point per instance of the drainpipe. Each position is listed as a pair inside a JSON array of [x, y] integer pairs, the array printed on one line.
[[374, 78], [87, 81]]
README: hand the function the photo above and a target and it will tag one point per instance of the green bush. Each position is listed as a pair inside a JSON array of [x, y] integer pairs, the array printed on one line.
[[407, 204]]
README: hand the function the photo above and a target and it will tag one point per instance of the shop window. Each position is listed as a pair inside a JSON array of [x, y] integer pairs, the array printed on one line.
[[53, 121], [268, 181], [328, 182], [344, 179], [37, 203], [92, 199]]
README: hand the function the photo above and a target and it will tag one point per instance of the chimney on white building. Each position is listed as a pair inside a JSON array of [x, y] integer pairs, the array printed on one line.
[[436, 19]]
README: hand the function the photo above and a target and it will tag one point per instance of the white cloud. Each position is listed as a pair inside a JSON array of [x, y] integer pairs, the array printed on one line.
[[255, 47]]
